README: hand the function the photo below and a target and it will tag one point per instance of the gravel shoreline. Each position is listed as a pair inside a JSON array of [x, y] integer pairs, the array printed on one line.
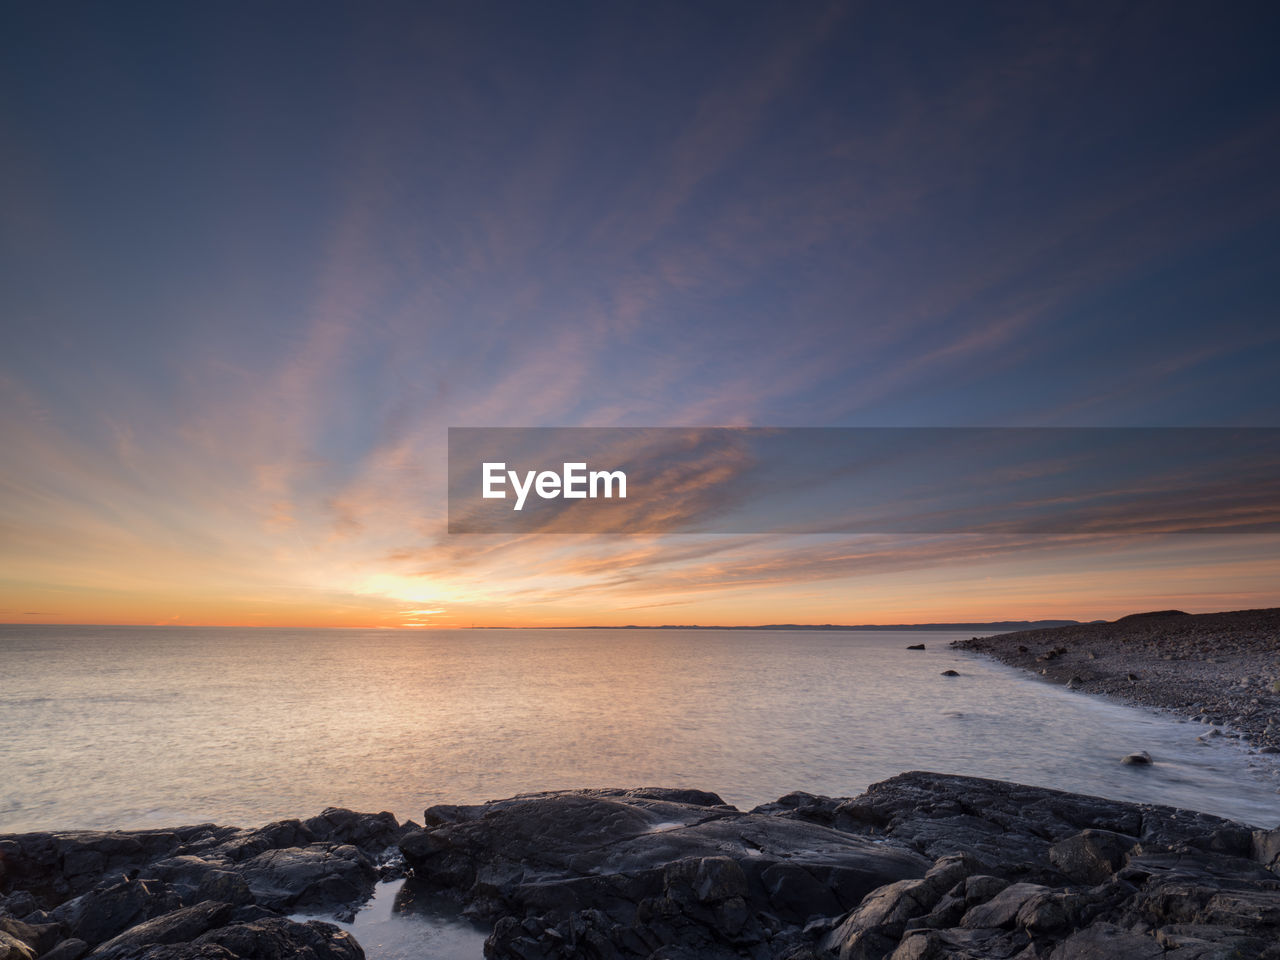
[[1221, 669]]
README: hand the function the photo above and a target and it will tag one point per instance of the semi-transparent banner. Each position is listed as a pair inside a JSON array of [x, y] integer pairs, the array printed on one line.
[[999, 480]]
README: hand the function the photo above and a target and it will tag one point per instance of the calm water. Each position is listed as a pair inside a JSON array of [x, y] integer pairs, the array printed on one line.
[[128, 727]]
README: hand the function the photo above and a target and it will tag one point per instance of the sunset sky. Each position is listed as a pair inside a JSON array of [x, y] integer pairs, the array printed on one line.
[[258, 258]]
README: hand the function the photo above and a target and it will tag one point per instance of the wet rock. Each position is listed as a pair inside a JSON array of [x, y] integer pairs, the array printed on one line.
[[916, 646], [950, 673], [1140, 759], [72, 862], [320, 877], [282, 939], [653, 868], [180, 926], [196, 879], [103, 913], [919, 866], [371, 832]]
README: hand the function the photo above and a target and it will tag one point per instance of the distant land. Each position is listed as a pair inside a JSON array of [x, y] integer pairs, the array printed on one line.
[[991, 625]]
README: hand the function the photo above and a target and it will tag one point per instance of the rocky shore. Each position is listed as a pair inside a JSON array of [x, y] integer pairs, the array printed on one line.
[[921, 866], [1220, 669]]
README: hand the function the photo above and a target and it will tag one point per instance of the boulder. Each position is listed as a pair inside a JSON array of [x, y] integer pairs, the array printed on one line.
[[40, 937], [282, 939], [919, 866], [319, 878], [1091, 856], [1002, 909], [102, 913], [884, 914], [640, 870], [179, 926]]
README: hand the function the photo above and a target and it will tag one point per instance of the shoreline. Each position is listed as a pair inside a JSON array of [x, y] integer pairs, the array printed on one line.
[[1220, 669], [919, 866]]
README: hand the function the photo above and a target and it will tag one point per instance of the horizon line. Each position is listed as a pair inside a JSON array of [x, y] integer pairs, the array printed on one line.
[[940, 624]]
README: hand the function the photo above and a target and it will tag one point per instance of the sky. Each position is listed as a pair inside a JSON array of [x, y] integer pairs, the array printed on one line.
[[258, 258]]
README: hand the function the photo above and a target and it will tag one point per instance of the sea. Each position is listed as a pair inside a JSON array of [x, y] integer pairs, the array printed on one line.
[[126, 727]]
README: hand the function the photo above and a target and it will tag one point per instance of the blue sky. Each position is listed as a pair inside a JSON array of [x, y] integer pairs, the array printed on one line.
[[258, 257]]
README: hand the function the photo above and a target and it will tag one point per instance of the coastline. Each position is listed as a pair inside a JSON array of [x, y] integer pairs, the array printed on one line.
[[1220, 669], [920, 866]]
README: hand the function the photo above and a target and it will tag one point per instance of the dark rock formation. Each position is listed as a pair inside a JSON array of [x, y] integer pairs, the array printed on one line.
[[646, 869], [203, 891], [920, 867]]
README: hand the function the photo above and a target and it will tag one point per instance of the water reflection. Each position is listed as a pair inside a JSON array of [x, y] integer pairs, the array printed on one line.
[[246, 726], [405, 921]]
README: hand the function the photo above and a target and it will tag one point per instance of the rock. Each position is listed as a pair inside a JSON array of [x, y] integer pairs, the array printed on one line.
[[1076, 682], [70, 863], [320, 877], [916, 646], [282, 939], [950, 673], [719, 878], [371, 832], [976, 889], [1091, 856], [19, 903], [920, 866], [656, 873], [1106, 941], [1140, 759], [11, 948], [196, 879], [71, 949], [40, 937], [103, 913], [1264, 847], [883, 915], [1001, 909], [180, 926]]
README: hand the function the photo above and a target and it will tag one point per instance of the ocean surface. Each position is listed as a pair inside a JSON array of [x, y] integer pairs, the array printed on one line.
[[161, 726], [131, 727]]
